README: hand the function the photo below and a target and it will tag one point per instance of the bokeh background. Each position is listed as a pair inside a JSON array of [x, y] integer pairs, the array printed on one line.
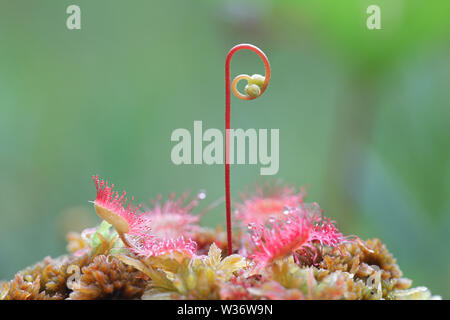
[[363, 115]]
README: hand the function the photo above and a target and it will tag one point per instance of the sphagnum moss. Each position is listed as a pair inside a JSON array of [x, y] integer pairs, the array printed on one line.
[[323, 264]]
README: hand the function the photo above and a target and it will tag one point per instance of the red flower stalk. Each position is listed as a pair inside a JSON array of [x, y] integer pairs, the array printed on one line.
[[256, 86], [267, 202], [113, 208]]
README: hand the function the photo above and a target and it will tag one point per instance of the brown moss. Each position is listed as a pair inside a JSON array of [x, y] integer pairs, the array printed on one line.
[[363, 260], [355, 270], [21, 289], [53, 273], [108, 278]]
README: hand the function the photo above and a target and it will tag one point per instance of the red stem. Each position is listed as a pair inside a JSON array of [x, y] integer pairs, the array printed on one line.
[[228, 123]]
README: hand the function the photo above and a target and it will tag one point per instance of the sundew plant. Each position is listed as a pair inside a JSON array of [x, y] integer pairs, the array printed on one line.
[[276, 245]]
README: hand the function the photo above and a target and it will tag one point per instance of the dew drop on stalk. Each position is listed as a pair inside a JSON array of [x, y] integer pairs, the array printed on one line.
[[251, 226], [201, 195]]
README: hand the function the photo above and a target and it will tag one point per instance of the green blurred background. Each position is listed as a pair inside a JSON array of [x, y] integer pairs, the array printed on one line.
[[363, 115]]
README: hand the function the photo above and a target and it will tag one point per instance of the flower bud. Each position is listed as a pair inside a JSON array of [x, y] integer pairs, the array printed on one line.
[[252, 90], [257, 79]]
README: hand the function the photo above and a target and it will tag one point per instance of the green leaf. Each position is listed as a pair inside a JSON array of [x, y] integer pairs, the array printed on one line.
[[104, 230]]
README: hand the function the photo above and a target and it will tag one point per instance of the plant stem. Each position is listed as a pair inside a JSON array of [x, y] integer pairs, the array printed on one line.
[[228, 123]]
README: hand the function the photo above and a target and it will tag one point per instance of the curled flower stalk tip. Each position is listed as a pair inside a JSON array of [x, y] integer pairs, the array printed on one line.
[[256, 84]]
